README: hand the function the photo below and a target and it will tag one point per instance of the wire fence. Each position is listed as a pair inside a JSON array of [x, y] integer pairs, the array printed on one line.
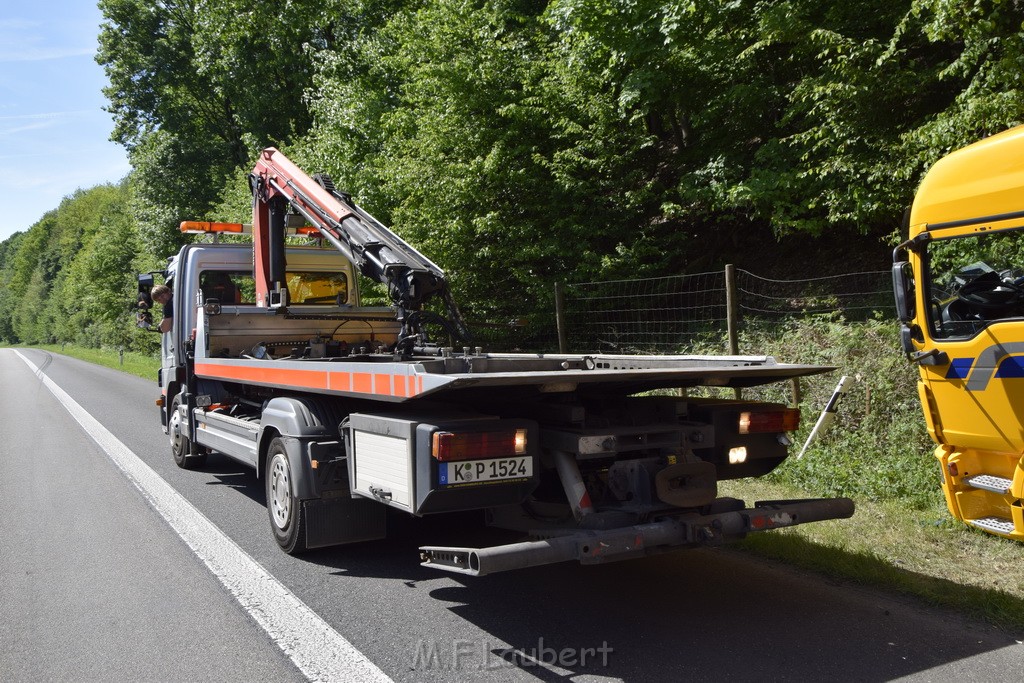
[[642, 315], [855, 295], [669, 314]]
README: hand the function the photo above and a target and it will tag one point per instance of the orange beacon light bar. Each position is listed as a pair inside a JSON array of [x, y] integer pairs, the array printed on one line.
[[208, 227]]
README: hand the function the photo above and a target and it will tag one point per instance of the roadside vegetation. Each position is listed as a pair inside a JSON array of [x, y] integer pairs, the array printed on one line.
[[878, 453], [134, 363], [918, 552], [519, 143]]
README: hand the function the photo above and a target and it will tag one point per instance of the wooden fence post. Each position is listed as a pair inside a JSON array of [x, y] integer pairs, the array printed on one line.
[[732, 315], [732, 305], [563, 340]]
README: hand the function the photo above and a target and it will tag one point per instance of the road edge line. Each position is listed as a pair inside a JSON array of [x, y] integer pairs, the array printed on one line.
[[313, 645]]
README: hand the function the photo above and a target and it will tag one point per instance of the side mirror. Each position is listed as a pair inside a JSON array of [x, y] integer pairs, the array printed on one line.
[[907, 339], [144, 302], [903, 289]]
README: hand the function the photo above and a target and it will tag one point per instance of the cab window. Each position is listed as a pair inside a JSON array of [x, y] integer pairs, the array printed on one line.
[[228, 286], [304, 287], [309, 288], [973, 281]]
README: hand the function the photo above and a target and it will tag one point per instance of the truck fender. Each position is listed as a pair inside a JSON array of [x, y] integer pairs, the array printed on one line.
[[298, 422]]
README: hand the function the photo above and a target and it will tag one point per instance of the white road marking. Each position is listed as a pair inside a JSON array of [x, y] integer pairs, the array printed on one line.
[[320, 652]]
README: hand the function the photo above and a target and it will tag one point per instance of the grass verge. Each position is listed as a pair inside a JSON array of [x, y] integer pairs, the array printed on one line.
[[140, 365], [921, 553]]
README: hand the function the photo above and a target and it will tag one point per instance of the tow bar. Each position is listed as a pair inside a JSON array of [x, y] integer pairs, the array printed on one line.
[[595, 547]]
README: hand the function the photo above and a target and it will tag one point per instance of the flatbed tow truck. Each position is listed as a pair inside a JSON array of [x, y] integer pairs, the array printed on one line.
[[346, 410]]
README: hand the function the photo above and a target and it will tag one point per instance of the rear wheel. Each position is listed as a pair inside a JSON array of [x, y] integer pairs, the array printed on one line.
[[284, 509], [181, 445]]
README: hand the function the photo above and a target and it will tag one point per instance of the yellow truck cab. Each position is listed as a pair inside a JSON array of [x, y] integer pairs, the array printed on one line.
[[959, 286]]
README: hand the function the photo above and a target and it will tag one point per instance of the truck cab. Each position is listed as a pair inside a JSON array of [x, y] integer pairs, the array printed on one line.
[[959, 286]]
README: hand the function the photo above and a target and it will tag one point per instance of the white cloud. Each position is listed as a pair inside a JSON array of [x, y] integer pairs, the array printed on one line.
[[23, 40], [18, 24], [37, 125], [47, 150], [39, 55], [39, 121], [49, 115]]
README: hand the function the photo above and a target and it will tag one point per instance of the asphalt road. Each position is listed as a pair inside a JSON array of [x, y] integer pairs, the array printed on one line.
[[96, 585]]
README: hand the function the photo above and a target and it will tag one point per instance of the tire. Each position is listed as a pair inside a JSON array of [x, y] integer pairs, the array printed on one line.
[[181, 447], [283, 508]]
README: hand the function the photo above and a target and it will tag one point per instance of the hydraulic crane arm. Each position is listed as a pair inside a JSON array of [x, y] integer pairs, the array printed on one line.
[[411, 278]]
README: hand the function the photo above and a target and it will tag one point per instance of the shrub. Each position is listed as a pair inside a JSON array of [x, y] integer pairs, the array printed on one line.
[[878, 447]]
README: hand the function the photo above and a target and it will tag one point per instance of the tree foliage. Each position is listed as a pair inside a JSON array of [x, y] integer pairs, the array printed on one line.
[[522, 142], [68, 278], [196, 88]]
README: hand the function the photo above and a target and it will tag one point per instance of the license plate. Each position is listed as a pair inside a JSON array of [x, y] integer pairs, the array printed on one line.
[[483, 471]]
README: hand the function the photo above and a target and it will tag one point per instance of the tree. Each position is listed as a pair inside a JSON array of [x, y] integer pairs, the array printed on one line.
[[92, 297], [9, 249], [979, 43], [435, 123], [196, 88], [70, 276]]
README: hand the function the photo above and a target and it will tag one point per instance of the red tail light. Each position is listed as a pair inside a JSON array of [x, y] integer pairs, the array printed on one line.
[[773, 420], [449, 446]]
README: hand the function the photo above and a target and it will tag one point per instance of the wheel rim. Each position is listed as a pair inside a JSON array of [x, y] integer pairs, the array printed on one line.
[[174, 428], [280, 498]]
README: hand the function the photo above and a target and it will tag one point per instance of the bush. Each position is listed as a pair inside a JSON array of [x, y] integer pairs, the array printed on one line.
[[878, 447]]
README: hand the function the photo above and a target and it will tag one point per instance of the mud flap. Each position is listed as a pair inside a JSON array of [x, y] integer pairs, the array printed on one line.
[[343, 520]]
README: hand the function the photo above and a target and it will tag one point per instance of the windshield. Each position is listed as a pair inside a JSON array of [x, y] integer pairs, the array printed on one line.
[[973, 281]]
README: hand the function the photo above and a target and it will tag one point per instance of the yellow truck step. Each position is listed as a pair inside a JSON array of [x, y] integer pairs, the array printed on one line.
[[995, 525], [990, 482]]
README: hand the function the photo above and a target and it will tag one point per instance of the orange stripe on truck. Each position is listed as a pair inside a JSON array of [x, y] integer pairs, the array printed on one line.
[[355, 382]]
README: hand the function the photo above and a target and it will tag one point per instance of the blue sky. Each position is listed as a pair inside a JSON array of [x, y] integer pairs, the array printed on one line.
[[54, 134]]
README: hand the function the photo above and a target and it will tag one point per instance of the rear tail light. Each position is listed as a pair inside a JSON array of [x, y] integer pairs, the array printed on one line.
[[449, 446], [769, 421]]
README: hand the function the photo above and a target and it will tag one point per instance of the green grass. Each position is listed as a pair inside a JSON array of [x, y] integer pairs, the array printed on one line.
[[878, 453], [919, 552], [138, 364]]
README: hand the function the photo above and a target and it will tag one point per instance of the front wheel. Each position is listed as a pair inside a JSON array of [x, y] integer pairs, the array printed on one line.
[[181, 446], [284, 509]]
